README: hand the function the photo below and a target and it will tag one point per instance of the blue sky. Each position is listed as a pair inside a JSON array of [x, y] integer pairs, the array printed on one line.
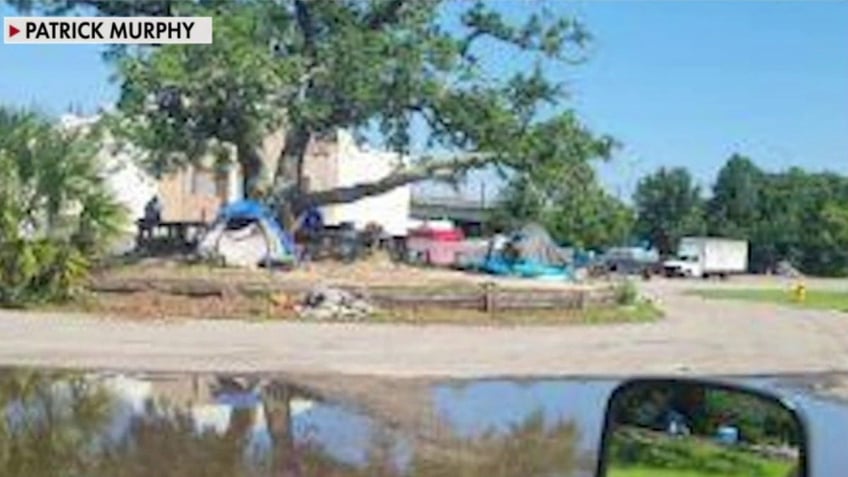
[[677, 82]]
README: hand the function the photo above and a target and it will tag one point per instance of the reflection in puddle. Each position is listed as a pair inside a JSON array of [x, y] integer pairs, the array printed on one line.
[[476, 408], [98, 424], [133, 425]]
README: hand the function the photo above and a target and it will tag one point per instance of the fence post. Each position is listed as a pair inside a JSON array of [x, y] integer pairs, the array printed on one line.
[[489, 298], [581, 299]]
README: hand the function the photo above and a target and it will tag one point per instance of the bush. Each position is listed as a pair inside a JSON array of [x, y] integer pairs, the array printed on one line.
[[40, 271], [56, 213], [626, 293]]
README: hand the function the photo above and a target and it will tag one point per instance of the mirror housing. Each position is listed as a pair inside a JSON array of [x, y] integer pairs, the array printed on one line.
[[667, 427]]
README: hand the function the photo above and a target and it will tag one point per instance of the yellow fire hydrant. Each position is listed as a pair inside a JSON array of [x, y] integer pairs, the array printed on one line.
[[799, 292]]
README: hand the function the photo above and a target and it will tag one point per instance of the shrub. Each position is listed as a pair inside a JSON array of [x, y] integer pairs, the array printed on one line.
[[39, 271], [626, 293], [56, 213]]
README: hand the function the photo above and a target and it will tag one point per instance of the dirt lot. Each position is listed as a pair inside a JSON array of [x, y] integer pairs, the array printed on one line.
[[376, 271], [158, 289]]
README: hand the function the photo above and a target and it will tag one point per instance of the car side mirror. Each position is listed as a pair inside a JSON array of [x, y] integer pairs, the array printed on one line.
[[668, 427]]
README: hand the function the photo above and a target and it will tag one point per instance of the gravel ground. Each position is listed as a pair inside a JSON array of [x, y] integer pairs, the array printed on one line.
[[697, 337]]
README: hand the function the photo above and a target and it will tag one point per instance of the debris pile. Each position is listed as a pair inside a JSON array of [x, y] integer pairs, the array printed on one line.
[[329, 304]]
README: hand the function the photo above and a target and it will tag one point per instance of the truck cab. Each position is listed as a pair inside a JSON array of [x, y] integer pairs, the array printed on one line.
[[684, 266]]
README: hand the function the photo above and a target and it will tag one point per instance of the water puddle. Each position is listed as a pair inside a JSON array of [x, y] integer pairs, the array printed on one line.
[[107, 424], [135, 424]]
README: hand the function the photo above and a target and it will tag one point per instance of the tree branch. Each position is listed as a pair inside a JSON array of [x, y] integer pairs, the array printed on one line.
[[427, 168], [307, 26], [388, 13]]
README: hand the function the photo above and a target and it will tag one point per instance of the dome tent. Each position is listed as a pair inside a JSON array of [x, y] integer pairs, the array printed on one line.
[[534, 244], [529, 252], [247, 234]]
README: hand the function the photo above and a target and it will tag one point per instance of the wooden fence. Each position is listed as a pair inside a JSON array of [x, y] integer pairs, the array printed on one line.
[[488, 297]]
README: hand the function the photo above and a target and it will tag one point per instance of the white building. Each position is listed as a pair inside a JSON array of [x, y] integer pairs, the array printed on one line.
[[195, 193], [125, 179], [340, 162], [352, 165]]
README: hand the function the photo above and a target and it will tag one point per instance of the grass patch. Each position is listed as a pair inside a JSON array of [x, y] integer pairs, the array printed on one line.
[[636, 313], [815, 299], [638, 453], [638, 471]]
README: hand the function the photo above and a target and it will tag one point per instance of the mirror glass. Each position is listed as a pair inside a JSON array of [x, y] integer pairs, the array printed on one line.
[[688, 429]]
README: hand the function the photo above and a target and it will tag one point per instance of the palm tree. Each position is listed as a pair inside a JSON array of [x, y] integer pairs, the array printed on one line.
[[52, 180], [55, 209]]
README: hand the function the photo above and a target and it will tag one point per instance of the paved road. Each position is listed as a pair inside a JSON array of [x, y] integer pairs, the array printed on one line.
[[698, 336]]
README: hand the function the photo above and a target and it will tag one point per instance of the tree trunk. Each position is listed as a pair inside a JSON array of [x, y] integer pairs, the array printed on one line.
[[252, 168], [278, 414], [288, 180]]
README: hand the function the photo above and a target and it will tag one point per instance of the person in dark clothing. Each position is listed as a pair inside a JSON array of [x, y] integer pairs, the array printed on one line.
[[153, 211], [312, 221], [309, 228]]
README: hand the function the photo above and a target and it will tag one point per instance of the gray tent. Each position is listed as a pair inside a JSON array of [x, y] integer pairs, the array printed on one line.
[[533, 244]]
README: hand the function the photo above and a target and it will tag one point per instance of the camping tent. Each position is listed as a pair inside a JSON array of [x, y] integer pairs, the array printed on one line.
[[534, 244], [529, 252], [247, 234]]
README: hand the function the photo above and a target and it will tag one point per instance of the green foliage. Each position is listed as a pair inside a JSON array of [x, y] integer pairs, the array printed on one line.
[[377, 66], [760, 421], [640, 444], [794, 215], [733, 209], [836, 300], [40, 270], [55, 211], [669, 207], [570, 203], [180, 102], [626, 293], [635, 452]]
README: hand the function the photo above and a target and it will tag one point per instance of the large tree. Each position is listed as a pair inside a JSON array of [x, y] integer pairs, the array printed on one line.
[[734, 208], [669, 206], [402, 69]]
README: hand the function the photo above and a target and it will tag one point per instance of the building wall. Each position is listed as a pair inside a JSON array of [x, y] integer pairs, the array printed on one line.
[[128, 182], [193, 194], [354, 165], [321, 167]]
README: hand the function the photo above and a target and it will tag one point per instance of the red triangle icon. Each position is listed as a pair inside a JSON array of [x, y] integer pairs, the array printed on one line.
[[13, 31]]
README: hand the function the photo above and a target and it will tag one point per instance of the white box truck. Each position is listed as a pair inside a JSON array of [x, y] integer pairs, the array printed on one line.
[[708, 256]]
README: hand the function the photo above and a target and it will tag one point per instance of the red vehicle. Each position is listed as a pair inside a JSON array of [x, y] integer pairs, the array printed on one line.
[[435, 245]]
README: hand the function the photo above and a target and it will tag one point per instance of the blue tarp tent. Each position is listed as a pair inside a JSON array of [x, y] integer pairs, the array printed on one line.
[[251, 209], [247, 233]]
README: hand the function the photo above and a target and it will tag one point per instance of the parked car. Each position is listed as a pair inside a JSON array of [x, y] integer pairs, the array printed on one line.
[[631, 260]]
